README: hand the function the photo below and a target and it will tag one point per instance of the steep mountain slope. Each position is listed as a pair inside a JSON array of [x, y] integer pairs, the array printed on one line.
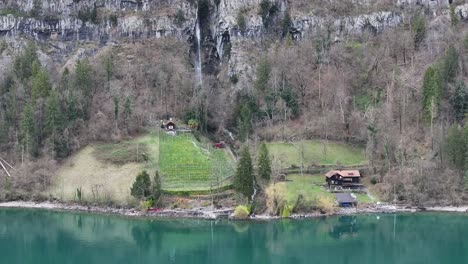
[[270, 70]]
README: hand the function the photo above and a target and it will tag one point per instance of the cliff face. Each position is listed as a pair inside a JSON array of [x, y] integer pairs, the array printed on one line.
[[113, 21], [65, 20]]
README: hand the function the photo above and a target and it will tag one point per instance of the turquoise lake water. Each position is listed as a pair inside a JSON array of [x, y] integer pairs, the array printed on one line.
[[37, 236]]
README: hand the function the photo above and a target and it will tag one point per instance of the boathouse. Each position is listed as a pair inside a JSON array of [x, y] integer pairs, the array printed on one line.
[[345, 200]]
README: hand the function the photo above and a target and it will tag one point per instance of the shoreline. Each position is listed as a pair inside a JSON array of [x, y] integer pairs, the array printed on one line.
[[208, 214]]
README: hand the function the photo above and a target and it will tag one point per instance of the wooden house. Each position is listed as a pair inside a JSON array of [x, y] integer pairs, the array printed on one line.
[[343, 177], [170, 126]]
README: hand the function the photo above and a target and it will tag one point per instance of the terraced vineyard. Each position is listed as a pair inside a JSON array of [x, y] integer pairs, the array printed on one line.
[[188, 165]]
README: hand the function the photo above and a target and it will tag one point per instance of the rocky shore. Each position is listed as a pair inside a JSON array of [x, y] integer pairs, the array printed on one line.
[[209, 213]]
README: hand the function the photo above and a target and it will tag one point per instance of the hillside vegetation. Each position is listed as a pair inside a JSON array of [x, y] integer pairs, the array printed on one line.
[[387, 76], [308, 153]]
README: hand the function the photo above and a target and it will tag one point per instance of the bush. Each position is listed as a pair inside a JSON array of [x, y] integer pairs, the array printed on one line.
[[180, 18], [241, 212], [373, 180], [113, 20], [324, 204], [241, 22], [234, 79], [419, 29], [142, 186], [145, 205], [286, 211]]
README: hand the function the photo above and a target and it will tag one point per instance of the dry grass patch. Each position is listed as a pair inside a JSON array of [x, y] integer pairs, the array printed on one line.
[[99, 181]]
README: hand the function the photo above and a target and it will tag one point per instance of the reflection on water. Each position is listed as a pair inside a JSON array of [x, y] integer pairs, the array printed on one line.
[[347, 227], [31, 236]]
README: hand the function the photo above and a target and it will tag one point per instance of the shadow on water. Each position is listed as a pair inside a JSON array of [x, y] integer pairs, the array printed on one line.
[[31, 236]]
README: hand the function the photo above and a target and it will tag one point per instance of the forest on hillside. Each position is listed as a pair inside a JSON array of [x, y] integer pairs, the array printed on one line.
[[402, 92]]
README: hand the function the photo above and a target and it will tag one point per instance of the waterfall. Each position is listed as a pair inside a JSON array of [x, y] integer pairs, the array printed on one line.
[[198, 62]]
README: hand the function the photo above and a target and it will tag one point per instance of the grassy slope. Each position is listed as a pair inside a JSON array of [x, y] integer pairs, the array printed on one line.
[[85, 171], [288, 154], [186, 164], [112, 168]]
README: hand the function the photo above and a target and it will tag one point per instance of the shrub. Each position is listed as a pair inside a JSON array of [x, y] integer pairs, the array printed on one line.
[[324, 204], [145, 205], [142, 186], [234, 79], [193, 124], [180, 18], [241, 22], [241, 212], [419, 29], [286, 211], [113, 20], [79, 194], [373, 180]]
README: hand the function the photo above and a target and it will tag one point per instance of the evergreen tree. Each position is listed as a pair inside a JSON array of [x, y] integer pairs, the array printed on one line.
[[419, 29], [449, 69], [243, 182], [73, 111], [141, 188], [127, 111], [116, 108], [262, 75], [83, 83], [54, 115], [460, 100], [455, 147], [453, 15], [28, 137], [264, 162], [41, 83], [156, 188], [431, 92], [288, 95], [24, 62], [245, 123]]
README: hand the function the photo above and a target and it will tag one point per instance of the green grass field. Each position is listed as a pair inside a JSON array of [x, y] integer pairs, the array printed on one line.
[[188, 165], [311, 187], [316, 152]]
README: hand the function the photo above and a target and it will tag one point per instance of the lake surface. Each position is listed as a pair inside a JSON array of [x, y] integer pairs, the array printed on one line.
[[37, 236]]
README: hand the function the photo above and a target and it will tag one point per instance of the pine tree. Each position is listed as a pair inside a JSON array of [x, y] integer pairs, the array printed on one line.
[[156, 188], [127, 111], [263, 75], [460, 100], [28, 129], [264, 162], [243, 183], [24, 62], [245, 122], [449, 68], [83, 83], [431, 92], [54, 115], [455, 147], [141, 188], [453, 15], [419, 29], [41, 83]]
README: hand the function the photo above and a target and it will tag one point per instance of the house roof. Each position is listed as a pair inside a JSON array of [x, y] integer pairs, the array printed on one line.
[[343, 173], [345, 198]]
